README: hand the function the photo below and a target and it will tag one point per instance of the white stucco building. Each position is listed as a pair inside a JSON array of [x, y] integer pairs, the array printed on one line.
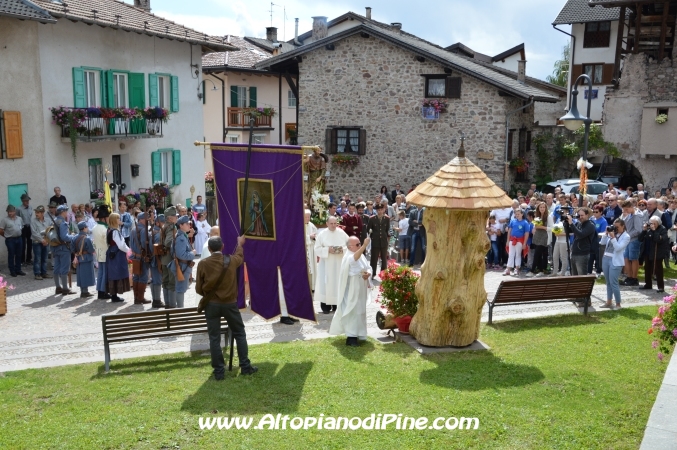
[[97, 53]]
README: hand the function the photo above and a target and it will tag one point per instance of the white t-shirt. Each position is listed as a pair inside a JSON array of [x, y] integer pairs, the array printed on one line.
[[403, 225], [496, 227]]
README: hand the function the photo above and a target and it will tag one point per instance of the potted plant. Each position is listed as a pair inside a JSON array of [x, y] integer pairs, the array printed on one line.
[[519, 164], [661, 119], [398, 294], [345, 160], [431, 108], [293, 136], [3, 296], [209, 184], [664, 325], [319, 211]]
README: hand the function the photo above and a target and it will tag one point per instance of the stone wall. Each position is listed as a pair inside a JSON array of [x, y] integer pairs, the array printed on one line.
[[643, 80], [370, 83]]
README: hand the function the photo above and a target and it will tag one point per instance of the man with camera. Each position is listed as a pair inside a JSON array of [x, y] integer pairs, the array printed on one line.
[[584, 233]]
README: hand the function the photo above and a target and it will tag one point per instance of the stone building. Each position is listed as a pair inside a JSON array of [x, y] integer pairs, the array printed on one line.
[[361, 84]]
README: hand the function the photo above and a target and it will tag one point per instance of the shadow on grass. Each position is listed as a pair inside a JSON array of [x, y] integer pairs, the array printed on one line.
[[477, 371], [275, 388], [127, 367], [353, 353], [569, 320]]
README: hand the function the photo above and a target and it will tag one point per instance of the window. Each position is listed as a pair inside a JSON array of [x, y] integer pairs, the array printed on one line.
[[166, 166], [163, 91], [258, 139], [243, 97], [231, 139], [120, 99], [442, 86], [347, 140], [95, 174], [291, 100], [14, 193], [92, 88], [660, 111], [597, 34], [594, 71]]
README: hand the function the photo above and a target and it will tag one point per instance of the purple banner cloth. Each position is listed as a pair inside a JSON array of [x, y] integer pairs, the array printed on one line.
[[274, 225]]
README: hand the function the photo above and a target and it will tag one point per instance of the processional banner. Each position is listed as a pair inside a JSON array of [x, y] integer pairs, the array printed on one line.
[[273, 224]]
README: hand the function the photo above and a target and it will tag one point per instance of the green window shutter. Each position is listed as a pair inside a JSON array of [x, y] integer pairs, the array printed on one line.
[[153, 99], [109, 89], [174, 102], [102, 81], [176, 167], [94, 162], [233, 97], [252, 97], [156, 166], [79, 100], [137, 90]]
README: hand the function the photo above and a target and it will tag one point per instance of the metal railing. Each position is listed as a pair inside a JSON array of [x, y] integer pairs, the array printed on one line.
[[98, 127]]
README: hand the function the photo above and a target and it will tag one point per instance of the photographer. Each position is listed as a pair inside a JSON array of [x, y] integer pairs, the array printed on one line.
[[613, 260], [657, 245], [583, 232]]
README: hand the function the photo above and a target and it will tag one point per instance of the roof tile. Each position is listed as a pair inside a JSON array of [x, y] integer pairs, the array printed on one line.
[[578, 11], [24, 9]]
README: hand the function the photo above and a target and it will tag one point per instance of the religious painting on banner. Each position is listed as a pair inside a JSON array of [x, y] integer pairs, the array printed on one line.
[[275, 247], [259, 208]]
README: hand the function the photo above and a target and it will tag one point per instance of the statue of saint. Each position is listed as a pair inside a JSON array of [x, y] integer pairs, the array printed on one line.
[[315, 165]]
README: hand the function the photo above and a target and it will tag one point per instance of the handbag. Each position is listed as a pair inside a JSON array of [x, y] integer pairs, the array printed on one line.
[[204, 301]]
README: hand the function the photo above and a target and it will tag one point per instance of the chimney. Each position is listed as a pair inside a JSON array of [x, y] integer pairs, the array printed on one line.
[[521, 71], [271, 34], [143, 4], [397, 26], [368, 14], [319, 27], [296, 31]]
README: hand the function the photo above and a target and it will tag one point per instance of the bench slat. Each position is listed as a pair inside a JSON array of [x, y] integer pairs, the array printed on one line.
[[168, 333], [117, 334], [156, 323]]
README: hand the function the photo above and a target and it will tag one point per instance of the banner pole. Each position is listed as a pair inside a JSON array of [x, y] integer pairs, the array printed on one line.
[[252, 120]]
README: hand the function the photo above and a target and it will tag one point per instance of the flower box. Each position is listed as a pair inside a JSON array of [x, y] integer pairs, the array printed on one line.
[[3, 301]]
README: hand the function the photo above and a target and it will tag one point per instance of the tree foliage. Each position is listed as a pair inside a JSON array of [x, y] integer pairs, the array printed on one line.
[[595, 142], [560, 71]]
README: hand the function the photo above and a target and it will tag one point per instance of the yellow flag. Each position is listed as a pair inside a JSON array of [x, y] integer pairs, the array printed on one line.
[[106, 195]]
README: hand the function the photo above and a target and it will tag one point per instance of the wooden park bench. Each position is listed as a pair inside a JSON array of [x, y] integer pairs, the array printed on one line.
[[156, 324], [543, 290]]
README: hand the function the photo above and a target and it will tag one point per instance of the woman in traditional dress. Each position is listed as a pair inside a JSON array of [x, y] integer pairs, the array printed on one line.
[[258, 226], [202, 235], [116, 260]]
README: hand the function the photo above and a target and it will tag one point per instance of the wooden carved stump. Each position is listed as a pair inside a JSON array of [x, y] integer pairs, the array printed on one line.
[[451, 288]]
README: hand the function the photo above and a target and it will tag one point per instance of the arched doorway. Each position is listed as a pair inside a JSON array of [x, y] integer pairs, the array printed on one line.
[[620, 172]]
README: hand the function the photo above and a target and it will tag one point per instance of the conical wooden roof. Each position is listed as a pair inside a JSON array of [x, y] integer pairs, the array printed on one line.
[[459, 185]]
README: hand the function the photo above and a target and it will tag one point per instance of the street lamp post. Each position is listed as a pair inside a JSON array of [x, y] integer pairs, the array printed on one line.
[[573, 119]]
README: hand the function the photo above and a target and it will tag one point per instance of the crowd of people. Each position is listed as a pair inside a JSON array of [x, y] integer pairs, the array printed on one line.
[[610, 235]]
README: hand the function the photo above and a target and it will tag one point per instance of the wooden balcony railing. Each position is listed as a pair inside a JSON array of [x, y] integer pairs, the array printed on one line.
[[237, 117]]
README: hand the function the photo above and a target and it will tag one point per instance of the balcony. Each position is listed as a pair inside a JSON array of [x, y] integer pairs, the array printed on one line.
[[239, 117], [104, 124]]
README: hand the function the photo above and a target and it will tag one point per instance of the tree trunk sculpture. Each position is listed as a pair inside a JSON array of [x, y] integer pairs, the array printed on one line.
[[451, 291]]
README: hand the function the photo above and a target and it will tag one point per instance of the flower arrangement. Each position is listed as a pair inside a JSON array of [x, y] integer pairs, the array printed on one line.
[[439, 105], [4, 285], [258, 112], [537, 221], [397, 290], [345, 160], [665, 325], [157, 193], [96, 194], [519, 164], [558, 228], [209, 176], [209, 183], [319, 212], [156, 113], [661, 119]]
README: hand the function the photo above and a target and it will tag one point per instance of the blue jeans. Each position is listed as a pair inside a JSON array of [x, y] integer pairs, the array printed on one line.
[[14, 250], [415, 239], [494, 254], [40, 259], [611, 274]]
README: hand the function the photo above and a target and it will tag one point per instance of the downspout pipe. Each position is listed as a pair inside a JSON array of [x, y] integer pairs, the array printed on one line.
[[507, 130], [223, 106], [571, 62]]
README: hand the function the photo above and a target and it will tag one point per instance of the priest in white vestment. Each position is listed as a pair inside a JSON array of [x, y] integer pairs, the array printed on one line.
[[311, 234], [330, 245], [353, 292]]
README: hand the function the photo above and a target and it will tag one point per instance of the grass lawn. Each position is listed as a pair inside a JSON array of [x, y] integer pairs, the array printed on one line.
[[557, 382]]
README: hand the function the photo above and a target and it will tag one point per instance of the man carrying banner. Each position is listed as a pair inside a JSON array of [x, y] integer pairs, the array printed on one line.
[[353, 293], [330, 245]]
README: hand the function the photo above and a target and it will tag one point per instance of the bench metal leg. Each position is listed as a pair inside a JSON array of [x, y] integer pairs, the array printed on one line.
[[107, 356], [585, 308], [491, 310]]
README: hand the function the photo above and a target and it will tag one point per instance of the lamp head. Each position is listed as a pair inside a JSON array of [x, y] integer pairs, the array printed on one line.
[[573, 120]]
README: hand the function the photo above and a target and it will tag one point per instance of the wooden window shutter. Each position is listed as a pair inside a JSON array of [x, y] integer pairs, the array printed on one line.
[[153, 94], [576, 71], [330, 141], [252, 97], [233, 97], [174, 86], [137, 90], [79, 100], [176, 167], [362, 146], [510, 134], [453, 87], [528, 141], [13, 135], [522, 142], [156, 166], [110, 92], [607, 73]]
